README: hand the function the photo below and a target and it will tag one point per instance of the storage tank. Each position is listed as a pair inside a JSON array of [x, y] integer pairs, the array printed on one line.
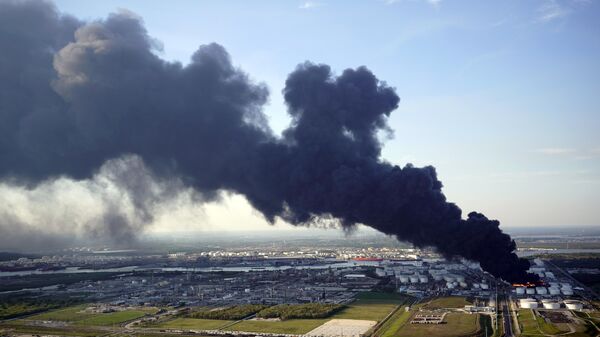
[[521, 290], [450, 285], [551, 305], [573, 305], [530, 291], [567, 291], [528, 303], [554, 291], [449, 278], [541, 290], [423, 279]]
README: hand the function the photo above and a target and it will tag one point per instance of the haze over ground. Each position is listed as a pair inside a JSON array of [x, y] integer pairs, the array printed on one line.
[[360, 104]]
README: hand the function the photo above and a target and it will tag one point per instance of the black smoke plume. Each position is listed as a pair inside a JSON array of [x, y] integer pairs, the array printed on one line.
[[74, 95]]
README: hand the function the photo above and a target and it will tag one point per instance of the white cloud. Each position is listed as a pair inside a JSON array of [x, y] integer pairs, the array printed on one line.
[[310, 5], [552, 10], [434, 3], [556, 150], [578, 154]]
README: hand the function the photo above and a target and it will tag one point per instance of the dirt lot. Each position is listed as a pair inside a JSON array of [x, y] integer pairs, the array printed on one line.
[[344, 327], [555, 316]]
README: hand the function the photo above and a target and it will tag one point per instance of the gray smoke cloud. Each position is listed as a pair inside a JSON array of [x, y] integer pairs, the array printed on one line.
[[113, 207], [77, 96]]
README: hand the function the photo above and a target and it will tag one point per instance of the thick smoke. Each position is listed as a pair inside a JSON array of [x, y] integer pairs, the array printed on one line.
[[75, 95]]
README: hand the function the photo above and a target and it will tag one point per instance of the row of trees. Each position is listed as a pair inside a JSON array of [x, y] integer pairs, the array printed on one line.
[[308, 310]]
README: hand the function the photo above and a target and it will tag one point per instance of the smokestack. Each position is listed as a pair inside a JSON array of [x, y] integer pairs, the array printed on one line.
[[74, 95]]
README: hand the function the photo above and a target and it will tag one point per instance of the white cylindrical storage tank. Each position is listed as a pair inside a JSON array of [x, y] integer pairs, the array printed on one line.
[[551, 305], [520, 290], [554, 291], [529, 305], [573, 305], [484, 286], [414, 279], [530, 291], [567, 291], [541, 290], [423, 279]]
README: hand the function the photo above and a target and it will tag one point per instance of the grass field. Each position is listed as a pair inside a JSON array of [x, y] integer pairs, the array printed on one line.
[[368, 306], [194, 323], [395, 323], [457, 324], [112, 318], [447, 302], [299, 326], [69, 314], [372, 306], [19, 309], [370, 310], [74, 314], [38, 330], [533, 325]]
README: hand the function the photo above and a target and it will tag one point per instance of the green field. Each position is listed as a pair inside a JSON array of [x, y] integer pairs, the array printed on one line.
[[298, 326], [368, 306], [76, 315], [395, 323], [38, 330], [372, 306], [365, 309], [532, 325], [447, 302], [69, 314], [10, 310], [112, 317], [457, 324], [194, 323]]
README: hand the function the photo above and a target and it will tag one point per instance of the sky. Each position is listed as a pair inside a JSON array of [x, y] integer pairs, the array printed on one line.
[[501, 97]]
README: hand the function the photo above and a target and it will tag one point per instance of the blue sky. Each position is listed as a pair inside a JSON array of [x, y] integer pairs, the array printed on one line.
[[500, 96]]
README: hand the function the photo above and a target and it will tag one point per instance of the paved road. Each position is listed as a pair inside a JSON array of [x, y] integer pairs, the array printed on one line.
[[508, 332]]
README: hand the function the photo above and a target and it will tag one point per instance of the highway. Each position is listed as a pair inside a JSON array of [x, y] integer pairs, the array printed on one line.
[[508, 332]]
